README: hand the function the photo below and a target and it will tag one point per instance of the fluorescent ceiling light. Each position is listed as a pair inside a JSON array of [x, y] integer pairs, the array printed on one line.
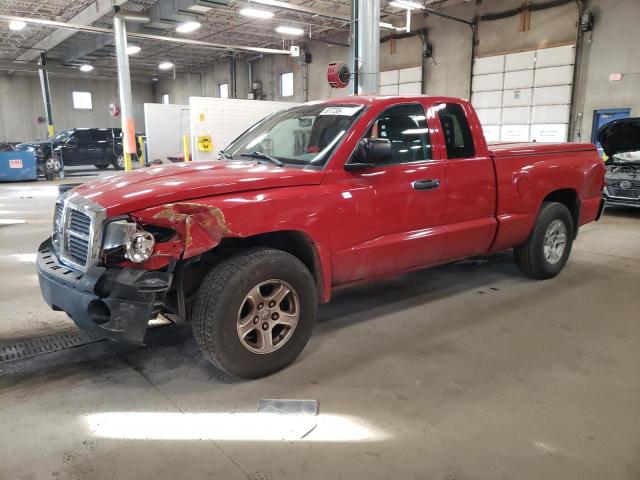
[[133, 49], [188, 27], [289, 30], [165, 66], [406, 4], [16, 25], [86, 68], [256, 13]]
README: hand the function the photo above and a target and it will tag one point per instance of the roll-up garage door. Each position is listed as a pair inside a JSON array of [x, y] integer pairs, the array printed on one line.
[[406, 81], [525, 96]]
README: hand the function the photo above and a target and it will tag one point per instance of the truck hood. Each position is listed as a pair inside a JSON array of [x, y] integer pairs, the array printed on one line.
[[620, 136], [121, 194]]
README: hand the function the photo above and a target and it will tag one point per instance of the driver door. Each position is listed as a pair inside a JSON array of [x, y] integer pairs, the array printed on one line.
[[399, 210], [76, 149]]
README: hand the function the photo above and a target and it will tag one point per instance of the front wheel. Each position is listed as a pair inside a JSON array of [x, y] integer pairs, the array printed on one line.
[[547, 250], [118, 162], [254, 312]]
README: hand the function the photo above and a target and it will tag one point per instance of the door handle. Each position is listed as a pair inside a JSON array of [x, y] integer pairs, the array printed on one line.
[[425, 184]]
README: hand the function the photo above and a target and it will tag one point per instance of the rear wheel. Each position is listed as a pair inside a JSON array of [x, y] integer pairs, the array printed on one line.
[[254, 312], [547, 250]]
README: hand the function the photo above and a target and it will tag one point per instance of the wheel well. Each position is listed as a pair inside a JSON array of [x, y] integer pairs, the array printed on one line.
[[291, 241], [569, 198]]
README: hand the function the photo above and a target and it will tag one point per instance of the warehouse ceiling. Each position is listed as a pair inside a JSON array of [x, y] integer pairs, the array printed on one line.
[[220, 24]]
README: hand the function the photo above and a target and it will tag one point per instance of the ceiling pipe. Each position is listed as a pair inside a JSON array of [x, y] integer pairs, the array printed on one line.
[[182, 41]]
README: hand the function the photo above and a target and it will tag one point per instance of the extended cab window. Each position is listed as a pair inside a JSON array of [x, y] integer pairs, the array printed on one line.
[[405, 126], [456, 131]]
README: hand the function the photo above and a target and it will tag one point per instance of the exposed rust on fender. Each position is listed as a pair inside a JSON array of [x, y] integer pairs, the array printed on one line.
[[201, 226]]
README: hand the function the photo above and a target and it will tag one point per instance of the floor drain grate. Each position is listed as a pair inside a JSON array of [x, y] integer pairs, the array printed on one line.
[[31, 347]]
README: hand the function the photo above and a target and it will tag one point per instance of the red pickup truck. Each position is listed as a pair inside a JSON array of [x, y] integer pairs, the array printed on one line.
[[314, 198]]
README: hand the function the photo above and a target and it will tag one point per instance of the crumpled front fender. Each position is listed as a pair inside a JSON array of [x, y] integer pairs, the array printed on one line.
[[201, 226]]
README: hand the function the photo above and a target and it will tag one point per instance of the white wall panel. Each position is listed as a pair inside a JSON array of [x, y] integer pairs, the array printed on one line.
[[550, 114], [389, 78], [519, 61], [516, 115], [410, 75], [514, 133], [164, 127], [517, 98], [491, 133], [549, 133], [556, 56], [486, 99], [546, 77], [389, 89], [482, 66], [552, 95], [518, 79], [225, 120], [489, 116], [483, 83], [410, 88]]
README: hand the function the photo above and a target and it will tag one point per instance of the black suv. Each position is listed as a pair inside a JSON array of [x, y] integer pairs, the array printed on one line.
[[78, 146]]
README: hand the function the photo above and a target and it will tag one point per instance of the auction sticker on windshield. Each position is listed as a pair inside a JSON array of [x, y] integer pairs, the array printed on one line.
[[341, 111]]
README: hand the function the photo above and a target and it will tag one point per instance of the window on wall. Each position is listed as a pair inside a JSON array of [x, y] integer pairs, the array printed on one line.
[[223, 90], [164, 99], [286, 84], [82, 100]]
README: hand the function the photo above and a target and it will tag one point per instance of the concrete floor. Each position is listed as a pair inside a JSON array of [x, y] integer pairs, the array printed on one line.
[[469, 371]]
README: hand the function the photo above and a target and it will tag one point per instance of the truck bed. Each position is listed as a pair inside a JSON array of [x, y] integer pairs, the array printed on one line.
[[509, 149]]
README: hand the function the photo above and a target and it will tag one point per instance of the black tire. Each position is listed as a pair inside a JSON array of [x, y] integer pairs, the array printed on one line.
[[118, 162], [530, 256], [103, 166], [221, 296]]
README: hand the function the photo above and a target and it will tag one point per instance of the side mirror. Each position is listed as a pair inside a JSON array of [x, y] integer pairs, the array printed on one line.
[[369, 153]]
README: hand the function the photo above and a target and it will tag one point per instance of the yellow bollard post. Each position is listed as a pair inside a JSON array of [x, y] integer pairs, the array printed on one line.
[[185, 144], [51, 130], [127, 162], [141, 157]]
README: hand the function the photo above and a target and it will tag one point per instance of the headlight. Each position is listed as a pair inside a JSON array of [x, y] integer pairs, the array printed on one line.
[[140, 246]]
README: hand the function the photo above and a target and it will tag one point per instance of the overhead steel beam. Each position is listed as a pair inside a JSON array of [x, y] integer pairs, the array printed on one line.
[[90, 14], [301, 9], [182, 41]]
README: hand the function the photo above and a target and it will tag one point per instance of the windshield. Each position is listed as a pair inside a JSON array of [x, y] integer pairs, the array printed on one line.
[[305, 135], [63, 135]]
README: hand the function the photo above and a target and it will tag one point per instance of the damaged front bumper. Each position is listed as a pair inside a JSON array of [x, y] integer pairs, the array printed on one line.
[[115, 303]]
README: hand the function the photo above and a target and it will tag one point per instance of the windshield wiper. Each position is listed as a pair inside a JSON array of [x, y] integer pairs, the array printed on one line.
[[263, 156]]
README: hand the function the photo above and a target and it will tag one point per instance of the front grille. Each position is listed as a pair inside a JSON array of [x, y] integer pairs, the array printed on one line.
[[76, 228], [79, 222], [623, 188]]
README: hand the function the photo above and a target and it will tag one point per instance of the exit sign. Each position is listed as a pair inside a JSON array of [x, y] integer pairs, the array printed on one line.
[[615, 77]]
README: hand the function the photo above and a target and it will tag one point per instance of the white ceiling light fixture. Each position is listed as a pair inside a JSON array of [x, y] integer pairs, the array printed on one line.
[[165, 66], [133, 49], [188, 27], [256, 13], [289, 30], [406, 4], [86, 68], [16, 25]]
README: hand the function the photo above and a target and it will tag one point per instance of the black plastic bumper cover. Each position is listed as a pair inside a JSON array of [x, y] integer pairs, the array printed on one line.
[[114, 303], [622, 202]]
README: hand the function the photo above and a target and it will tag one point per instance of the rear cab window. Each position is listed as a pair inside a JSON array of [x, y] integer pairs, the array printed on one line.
[[456, 131]]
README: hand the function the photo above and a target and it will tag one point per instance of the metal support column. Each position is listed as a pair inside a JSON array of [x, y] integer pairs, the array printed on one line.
[[46, 94], [124, 87], [369, 45], [353, 50]]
